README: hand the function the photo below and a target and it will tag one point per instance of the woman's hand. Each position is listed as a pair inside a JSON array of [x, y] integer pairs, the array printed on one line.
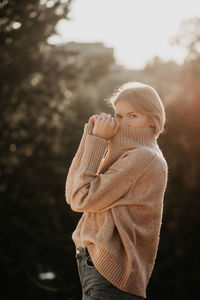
[[92, 119], [105, 126]]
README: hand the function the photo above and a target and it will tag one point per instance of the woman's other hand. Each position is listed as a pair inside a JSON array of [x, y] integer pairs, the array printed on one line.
[[105, 126]]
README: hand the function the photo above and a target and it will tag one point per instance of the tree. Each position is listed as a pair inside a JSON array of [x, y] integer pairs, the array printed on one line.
[[178, 270], [47, 94], [188, 36]]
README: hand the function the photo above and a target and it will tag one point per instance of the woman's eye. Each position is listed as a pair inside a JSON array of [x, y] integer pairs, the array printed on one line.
[[133, 115], [116, 116]]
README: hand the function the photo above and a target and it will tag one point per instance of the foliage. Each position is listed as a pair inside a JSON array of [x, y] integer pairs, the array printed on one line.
[[42, 100]]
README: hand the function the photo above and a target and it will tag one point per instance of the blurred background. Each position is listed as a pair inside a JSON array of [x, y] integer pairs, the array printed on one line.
[[59, 60]]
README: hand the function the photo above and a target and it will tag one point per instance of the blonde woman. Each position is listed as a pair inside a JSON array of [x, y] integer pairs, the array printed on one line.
[[117, 179]]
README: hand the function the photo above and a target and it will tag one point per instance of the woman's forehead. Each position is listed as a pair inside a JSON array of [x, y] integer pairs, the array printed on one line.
[[124, 106]]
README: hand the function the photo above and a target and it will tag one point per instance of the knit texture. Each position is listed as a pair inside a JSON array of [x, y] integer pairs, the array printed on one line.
[[119, 186]]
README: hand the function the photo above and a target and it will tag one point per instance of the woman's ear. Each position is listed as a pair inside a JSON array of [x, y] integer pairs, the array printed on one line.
[[151, 122]]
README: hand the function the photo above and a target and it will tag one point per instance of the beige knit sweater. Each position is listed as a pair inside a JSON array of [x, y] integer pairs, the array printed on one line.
[[121, 197]]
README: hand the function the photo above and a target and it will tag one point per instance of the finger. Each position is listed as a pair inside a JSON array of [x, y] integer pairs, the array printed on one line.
[[99, 117], [102, 116], [109, 118], [93, 118], [117, 121], [117, 125], [90, 119], [113, 120]]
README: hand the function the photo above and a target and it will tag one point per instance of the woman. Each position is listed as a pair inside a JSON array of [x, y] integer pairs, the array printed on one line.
[[118, 179]]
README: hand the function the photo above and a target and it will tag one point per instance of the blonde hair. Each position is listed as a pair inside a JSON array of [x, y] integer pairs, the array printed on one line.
[[144, 99]]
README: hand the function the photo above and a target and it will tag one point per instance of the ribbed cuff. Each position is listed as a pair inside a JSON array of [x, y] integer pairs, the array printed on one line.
[[88, 128], [93, 152]]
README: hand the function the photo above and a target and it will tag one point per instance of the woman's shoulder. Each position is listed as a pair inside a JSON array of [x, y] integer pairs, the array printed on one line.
[[143, 151], [146, 154]]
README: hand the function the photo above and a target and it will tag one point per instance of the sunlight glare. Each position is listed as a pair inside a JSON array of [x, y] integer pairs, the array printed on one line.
[[137, 30]]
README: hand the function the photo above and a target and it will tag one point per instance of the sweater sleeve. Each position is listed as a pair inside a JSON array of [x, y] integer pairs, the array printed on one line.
[[76, 162], [94, 192]]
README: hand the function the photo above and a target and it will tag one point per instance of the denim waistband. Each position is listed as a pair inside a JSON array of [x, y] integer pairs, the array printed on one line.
[[82, 251]]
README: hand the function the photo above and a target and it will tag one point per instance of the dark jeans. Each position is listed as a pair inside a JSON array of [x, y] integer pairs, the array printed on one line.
[[94, 285]]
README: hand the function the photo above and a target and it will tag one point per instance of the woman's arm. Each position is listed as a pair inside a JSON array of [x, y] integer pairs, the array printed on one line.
[[76, 162], [93, 192]]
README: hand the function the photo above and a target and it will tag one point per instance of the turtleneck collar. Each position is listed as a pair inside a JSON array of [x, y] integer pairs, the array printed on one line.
[[131, 137]]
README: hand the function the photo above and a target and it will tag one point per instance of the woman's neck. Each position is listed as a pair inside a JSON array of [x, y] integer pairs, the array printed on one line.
[[125, 139]]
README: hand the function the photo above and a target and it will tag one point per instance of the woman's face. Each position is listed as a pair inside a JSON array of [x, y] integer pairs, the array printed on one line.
[[128, 116]]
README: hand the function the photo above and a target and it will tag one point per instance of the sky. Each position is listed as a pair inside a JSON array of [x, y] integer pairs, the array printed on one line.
[[137, 30]]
